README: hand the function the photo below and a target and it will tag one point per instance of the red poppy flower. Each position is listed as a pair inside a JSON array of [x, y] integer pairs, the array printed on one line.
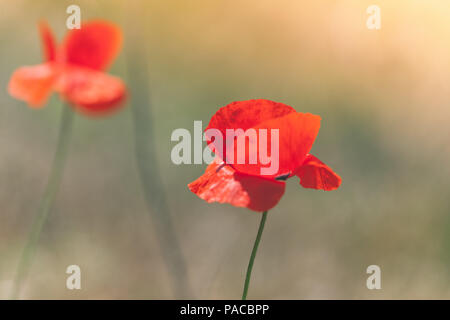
[[74, 69], [243, 185]]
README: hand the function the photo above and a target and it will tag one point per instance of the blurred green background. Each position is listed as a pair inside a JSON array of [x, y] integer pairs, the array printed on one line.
[[384, 100]]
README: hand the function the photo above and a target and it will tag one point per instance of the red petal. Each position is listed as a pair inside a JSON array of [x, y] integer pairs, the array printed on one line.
[[246, 114], [317, 175], [95, 45], [92, 92], [48, 42], [221, 183], [297, 132], [33, 84]]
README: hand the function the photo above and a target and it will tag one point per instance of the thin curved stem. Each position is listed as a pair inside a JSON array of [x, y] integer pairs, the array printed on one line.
[[46, 201], [253, 255], [147, 161]]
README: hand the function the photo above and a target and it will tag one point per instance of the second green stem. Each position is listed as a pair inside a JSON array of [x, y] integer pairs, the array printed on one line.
[[253, 255], [46, 201]]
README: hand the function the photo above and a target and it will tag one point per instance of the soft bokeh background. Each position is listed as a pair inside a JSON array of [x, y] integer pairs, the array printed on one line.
[[384, 99]]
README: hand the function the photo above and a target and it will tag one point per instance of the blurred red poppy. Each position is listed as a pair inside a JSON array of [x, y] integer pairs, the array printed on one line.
[[242, 185], [75, 69]]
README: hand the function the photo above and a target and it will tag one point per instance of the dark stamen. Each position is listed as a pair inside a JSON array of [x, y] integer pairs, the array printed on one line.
[[223, 164], [283, 177]]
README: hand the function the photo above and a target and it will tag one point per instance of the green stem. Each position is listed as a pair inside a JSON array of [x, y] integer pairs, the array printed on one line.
[[146, 157], [252, 257], [153, 190], [46, 200]]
